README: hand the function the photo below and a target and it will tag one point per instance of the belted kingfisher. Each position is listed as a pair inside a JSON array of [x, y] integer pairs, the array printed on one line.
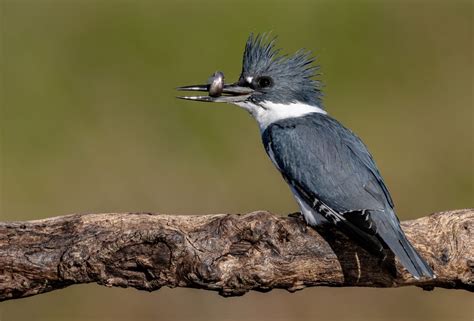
[[331, 174]]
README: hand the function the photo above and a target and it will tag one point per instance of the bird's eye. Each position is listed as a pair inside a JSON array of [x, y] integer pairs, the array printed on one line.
[[264, 82]]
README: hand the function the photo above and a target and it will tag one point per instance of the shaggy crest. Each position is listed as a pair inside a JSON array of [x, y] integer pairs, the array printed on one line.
[[295, 72]]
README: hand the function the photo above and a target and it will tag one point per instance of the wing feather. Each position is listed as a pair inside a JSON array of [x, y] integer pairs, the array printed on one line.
[[332, 170], [329, 161]]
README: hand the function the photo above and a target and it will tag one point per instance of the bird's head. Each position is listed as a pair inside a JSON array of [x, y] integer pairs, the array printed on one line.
[[270, 83]]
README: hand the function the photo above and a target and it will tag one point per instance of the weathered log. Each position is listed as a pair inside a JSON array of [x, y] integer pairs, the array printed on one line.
[[228, 253]]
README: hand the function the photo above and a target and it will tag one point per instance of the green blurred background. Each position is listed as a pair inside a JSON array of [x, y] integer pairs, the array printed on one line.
[[89, 123]]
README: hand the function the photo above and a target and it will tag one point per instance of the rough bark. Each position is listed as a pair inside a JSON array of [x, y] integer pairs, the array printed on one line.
[[228, 253]]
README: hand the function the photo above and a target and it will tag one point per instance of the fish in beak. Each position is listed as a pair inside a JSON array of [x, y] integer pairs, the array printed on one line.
[[219, 92]]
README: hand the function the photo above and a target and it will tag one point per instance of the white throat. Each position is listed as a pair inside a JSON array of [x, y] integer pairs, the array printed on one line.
[[270, 112]]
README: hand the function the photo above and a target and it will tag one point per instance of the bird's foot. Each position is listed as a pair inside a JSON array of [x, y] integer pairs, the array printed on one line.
[[295, 215]]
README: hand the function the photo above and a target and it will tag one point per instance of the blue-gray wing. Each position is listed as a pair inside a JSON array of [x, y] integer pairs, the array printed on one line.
[[333, 172], [328, 161]]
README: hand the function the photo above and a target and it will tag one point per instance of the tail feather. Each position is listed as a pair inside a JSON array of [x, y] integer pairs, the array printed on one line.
[[389, 230], [415, 260], [368, 241]]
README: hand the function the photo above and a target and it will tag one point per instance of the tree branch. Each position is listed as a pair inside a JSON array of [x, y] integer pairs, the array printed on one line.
[[228, 253]]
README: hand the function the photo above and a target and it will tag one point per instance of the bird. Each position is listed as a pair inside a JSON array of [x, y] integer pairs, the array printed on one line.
[[329, 170]]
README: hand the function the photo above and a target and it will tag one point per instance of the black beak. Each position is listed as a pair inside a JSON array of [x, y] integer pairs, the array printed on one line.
[[230, 93]]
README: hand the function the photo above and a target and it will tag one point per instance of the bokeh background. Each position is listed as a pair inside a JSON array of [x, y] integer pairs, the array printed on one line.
[[89, 123]]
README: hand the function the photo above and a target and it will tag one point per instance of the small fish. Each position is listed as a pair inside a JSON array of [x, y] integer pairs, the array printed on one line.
[[216, 84]]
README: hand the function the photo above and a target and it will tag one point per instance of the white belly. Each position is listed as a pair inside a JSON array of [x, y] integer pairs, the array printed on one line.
[[311, 217]]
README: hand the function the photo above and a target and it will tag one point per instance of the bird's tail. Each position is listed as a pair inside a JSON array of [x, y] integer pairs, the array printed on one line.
[[388, 228]]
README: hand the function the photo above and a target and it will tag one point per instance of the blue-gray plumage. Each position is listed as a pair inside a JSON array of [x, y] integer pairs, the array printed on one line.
[[329, 170], [329, 166]]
